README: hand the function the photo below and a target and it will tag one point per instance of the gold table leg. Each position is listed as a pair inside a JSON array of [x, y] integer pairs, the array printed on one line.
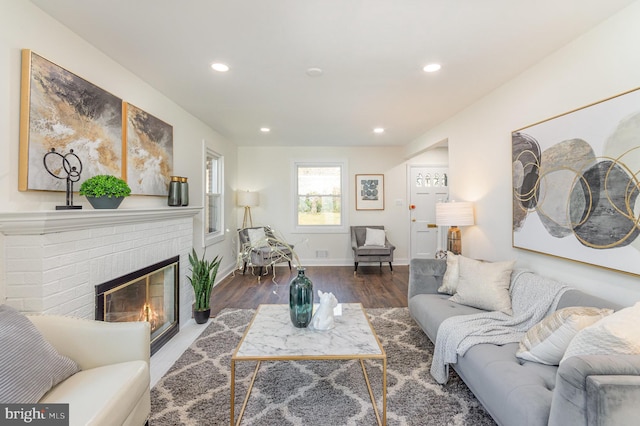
[[383, 421], [384, 391], [246, 398], [233, 389]]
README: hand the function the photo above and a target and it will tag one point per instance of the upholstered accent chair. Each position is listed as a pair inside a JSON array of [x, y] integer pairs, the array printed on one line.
[[260, 247], [370, 244]]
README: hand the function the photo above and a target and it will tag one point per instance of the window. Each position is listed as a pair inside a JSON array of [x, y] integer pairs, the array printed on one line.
[[320, 195], [213, 197]]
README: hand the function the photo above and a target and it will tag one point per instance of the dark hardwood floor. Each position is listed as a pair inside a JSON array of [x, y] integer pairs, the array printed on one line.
[[372, 286]]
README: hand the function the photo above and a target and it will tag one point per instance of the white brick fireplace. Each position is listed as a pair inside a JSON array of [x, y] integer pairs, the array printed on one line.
[[53, 260]]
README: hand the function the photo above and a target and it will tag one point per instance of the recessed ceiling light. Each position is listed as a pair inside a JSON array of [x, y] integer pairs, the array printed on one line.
[[378, 130], [314, 72], [431, 68], [220, 67], [265, 129]]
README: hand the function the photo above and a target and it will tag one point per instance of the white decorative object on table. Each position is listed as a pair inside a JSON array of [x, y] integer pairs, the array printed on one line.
[[323, 318]]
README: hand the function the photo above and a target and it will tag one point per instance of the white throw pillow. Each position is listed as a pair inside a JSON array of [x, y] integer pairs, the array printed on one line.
[[375, 237], [547, 341], [257, 237], [484, 285], [451, 275], [617, 333], [29, 365]]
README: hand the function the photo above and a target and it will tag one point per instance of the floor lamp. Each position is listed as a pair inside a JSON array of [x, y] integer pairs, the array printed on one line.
[[454, 214], [247, 199]]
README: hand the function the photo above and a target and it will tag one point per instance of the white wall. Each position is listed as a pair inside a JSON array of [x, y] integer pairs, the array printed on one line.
[[269, 170], [24, 26], [602, 63]]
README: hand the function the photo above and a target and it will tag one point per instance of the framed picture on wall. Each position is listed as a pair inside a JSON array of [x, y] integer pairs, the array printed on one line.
[[63, 112], [369, 192], [576, 185], [149, 152]]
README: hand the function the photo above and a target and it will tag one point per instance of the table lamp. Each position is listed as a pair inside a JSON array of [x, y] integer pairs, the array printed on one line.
[[454, 214]]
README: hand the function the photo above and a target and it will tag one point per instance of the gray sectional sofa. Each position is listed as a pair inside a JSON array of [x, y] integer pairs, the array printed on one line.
[[584, 390]]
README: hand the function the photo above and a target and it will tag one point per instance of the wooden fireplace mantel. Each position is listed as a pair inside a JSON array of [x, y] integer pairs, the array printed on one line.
[[47, 222]]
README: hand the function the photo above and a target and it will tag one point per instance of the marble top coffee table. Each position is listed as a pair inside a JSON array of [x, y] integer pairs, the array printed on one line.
[[271, 337]]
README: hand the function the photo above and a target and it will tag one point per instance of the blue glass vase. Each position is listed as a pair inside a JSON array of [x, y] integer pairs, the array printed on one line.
[[301, 300]]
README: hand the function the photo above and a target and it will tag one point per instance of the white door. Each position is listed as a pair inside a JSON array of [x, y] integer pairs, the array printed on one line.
[[427, 185]]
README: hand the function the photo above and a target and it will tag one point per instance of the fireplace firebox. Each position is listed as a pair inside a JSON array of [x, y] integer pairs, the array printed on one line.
[[149, 294]]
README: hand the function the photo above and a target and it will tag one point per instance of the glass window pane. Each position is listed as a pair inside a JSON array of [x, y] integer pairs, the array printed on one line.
[[319, 180], [213, 207], [213, 213], [212, 174], [319, 195]]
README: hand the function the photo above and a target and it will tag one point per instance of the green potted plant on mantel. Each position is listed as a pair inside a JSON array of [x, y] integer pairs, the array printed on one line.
[[202, 279], [105, 191]]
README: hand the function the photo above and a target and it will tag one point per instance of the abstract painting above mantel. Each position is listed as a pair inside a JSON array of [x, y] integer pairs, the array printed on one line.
[[576, 183], [63, 111], [149, 152]]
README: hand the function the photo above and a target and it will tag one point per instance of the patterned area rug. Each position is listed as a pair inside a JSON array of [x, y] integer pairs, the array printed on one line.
[[195, 391]]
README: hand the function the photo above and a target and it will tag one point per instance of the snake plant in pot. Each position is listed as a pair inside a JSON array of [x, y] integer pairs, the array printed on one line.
[[203, 276]]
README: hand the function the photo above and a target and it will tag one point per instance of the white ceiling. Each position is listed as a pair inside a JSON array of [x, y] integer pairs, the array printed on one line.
[[371, 51]]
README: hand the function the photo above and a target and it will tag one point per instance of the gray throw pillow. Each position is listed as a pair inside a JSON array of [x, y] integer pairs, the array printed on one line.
[[29, 365], [484, 285], [451, 275]]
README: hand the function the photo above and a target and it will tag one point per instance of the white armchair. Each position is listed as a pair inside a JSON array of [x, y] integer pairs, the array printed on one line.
[[113, 386]]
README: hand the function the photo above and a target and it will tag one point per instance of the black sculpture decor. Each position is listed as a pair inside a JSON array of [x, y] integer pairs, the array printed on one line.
[[72, 174]]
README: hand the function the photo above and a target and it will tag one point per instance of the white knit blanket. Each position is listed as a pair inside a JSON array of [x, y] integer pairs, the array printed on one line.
[[532, 298]]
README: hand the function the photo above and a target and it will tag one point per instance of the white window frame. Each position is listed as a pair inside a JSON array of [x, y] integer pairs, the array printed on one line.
[[344, 199], [210, 238]]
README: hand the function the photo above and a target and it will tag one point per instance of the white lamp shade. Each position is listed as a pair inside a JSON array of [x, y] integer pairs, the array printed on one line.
[[248, 198], [454, 214]]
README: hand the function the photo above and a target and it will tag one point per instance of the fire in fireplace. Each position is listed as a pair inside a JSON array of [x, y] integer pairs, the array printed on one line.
[[149, 294]]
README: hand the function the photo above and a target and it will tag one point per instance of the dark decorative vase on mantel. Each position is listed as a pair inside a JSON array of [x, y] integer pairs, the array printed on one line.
[[301, 299]]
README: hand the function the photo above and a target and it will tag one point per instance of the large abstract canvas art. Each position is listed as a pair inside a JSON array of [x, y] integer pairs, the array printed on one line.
[[149, 152], [576, 183], [62, 111]]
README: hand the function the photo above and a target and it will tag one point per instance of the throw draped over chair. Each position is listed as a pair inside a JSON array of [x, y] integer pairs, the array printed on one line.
[[260, 247], [374, 247]]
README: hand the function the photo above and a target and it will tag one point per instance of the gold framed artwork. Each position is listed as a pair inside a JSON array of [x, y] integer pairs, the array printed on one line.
[[148, 151], [62, 111], [576, 181], [369, 192]]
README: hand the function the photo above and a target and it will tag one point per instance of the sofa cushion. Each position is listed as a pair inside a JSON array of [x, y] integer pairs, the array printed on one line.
[[374, 237], [617, 333], [103, 395], [373, 251], [484, 285], [514, 392], [429, 310], [451, 275], [29, 365], [547, 341]]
